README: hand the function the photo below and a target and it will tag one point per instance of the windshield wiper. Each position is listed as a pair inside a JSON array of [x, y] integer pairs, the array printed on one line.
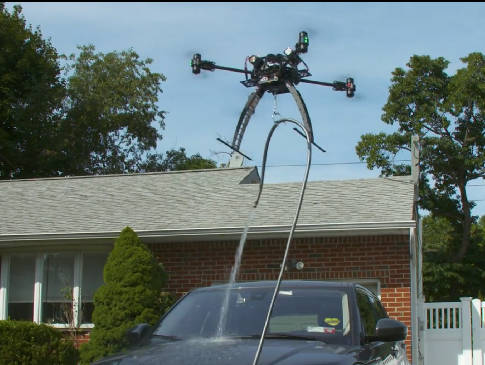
[[289, 336], [293, 336], [168, 337]]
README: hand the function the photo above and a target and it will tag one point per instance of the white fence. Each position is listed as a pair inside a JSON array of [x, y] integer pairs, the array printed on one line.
[[453, 332]]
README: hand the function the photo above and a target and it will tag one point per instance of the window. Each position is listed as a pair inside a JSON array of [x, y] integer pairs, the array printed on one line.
[[374, 285], [50, 287], [370, 310], [92, 279], [321, 313], [58, 284], [21, 295]]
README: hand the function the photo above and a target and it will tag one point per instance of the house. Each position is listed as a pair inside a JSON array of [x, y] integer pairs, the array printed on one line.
[[56, 233]]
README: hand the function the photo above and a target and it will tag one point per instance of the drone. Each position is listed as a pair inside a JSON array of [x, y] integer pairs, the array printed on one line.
[[275, 74]]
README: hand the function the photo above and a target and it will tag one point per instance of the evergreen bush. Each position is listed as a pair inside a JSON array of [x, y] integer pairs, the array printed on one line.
[[130, 295], [23, 342]]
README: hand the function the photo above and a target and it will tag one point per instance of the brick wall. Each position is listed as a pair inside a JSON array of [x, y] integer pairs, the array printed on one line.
[[386, 258]]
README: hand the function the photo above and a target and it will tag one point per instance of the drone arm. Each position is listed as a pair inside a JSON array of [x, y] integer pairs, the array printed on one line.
[[348, 86], [198, 64], [321, 83], [232, 69]]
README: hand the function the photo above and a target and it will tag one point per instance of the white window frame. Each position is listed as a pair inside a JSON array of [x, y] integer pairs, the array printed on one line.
[[38, 295]]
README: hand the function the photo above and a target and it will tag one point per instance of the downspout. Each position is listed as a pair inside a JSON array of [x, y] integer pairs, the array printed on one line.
[[416, 260], [421, 313], [414, 295]]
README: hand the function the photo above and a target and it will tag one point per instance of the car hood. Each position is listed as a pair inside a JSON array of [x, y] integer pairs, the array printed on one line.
[[223, 351]]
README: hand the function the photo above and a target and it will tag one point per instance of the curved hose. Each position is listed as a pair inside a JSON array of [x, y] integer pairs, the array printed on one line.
[[309, 136]]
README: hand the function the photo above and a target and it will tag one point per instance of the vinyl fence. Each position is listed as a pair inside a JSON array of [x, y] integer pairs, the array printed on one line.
[[454, 332]]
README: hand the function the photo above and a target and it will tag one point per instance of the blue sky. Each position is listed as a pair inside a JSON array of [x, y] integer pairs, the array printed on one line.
[[366, 41]]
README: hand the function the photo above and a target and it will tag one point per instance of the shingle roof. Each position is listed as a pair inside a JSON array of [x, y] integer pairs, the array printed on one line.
[[192, 200]]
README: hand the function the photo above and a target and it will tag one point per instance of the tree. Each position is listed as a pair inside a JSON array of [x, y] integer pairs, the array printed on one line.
[[31, 92], [110, 115], [130, 295], [445, 280], [447, 112], [176, 160], [91, 113]]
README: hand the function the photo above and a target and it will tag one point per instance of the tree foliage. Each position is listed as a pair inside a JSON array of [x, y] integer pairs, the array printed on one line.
[[90, 113], [448, 114], [133, 281], [176, 160], [110, 112], [445, 279], [31, 93]]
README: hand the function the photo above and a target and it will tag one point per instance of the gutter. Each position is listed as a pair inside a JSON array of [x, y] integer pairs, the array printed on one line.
[[205, 234]]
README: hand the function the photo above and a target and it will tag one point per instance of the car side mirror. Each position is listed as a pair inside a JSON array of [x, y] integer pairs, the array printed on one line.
[[138, 333], [390, 330]]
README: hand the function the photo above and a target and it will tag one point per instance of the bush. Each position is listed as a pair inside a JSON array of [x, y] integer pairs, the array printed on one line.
[[131, 295], [167, 299], [24, 342]]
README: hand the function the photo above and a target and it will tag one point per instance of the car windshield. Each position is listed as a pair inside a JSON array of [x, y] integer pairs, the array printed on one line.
[[314, 313]]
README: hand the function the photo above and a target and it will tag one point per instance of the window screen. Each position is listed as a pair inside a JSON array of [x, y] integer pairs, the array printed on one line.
[[58, 282], [21, 287], [92, 279]]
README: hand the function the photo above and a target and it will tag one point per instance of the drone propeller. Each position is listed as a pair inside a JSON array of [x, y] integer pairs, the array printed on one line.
[[357, 95]]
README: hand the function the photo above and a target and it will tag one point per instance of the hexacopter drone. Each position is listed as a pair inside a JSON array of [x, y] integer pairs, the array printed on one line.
[[276, 74]]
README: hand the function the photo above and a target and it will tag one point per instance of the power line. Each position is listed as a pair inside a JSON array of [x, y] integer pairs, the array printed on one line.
[[315, 164], [344, 163], [324, 164]]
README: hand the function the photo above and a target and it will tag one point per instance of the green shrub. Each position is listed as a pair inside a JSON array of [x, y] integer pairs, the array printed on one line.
[[167, 299], [131, 295], [24, 342]]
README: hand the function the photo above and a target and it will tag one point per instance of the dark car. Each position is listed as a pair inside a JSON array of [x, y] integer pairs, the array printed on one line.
[[313, 323]]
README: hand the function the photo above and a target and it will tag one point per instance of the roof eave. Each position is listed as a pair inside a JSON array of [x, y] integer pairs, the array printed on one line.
[[207, 234]]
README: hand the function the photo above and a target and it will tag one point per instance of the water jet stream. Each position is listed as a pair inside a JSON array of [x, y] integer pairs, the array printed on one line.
[[232, 277]]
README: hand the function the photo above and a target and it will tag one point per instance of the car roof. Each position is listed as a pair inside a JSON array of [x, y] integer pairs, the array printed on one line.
[[284, 284]]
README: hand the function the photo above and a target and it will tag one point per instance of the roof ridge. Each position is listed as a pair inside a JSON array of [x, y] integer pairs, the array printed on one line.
[[129, 174], [379, 178]]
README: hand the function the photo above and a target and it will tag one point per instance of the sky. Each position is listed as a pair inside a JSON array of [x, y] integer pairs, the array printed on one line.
[[366, 41]]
